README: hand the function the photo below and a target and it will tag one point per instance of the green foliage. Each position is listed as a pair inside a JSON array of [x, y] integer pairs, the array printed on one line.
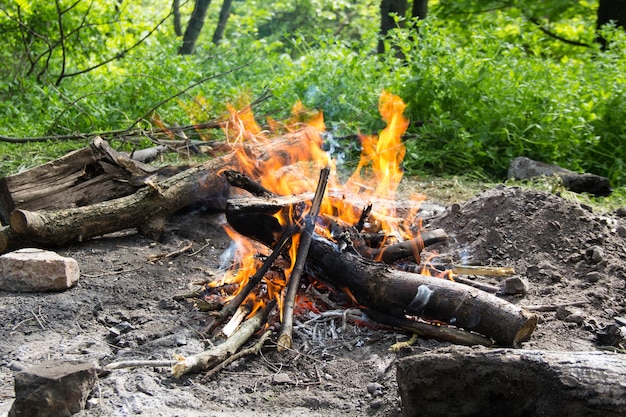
[[481, 88]]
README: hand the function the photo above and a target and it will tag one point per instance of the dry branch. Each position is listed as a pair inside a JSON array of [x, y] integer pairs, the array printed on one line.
[[285, 338], [214, 356]]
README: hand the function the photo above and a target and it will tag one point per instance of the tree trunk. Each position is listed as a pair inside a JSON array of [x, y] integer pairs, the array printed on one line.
[[516, 383], [178, 27], [194, 27], [388, 8], [221, 23], [420, 9], [610, 11]]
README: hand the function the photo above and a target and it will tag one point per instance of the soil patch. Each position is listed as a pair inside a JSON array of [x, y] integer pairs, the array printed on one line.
[[565, 251]]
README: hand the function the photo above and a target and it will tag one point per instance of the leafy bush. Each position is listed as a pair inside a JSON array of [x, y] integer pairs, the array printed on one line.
[[479, 91]]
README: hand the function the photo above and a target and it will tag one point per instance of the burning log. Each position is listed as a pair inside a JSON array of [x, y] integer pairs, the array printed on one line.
[[382, 288], [399, 293]]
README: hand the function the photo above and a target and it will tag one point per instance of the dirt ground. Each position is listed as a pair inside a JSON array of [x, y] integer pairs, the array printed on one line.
[[566, 252]]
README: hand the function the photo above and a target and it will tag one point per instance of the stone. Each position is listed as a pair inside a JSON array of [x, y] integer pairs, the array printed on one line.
[[53, 389], [514, 286], [282, 378], [37, 270]]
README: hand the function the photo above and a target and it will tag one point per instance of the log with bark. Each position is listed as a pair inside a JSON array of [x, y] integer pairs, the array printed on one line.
[[149, 206], [399, 293], [86, 176], [518, 383], [381, 288]]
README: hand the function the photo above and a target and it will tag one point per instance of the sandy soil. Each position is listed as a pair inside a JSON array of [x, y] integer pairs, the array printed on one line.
[[565, 251]]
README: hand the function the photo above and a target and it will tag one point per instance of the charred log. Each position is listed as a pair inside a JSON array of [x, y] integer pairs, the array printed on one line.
[[398, 293]]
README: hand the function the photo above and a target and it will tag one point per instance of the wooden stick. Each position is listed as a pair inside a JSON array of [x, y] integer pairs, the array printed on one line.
[[486, 271], [214, 356], [409, 249], [140, 363], [239, 180], [234, 304], [554, 307], [285, 339]]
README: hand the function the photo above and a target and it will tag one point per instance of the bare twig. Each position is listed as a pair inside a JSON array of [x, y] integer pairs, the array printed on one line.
[[214, 356], [156, 257], [285, 339], [554, 307], [140, 363], [252, 350]]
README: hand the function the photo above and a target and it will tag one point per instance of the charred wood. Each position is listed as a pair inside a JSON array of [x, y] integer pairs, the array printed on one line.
[[398, 293]]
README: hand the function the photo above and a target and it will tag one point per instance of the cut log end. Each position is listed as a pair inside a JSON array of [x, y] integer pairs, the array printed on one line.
[[21, 220]]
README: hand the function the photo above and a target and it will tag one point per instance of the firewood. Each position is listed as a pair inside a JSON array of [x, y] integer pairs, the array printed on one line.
[[214, 356], [442, 333], [381, 288], [398, 293], [154, 201], [86, 176], [409, 249], [518, 383], [285, 338]]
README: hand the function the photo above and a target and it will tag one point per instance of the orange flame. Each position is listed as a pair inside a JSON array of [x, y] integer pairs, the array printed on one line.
[[377, 176]]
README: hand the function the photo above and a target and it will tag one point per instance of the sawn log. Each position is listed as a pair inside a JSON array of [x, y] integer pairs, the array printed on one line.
[[148, 208]]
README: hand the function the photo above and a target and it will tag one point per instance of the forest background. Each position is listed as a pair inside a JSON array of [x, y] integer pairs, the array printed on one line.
[[484, 82]]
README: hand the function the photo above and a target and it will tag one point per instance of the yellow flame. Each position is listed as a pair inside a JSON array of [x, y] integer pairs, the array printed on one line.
[[295, 172]]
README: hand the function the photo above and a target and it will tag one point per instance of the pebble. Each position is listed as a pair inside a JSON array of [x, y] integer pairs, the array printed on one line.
[[515, 286], [576, 317], [375, 389], [594, 254], [621, 231], [377, 403], [282, 379], [594, 276]]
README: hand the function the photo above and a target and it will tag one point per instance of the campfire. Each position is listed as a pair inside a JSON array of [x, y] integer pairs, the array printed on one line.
[[347, 235], [310, 243]]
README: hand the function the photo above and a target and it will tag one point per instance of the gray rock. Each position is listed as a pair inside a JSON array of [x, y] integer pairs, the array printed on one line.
[[36, 270], [53, 389], [514, 286], [282, 379]]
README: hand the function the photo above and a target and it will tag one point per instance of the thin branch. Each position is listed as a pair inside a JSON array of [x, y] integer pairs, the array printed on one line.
[[61, 40], [285, 339], [183, 91], [119, 54], [548, 32]]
